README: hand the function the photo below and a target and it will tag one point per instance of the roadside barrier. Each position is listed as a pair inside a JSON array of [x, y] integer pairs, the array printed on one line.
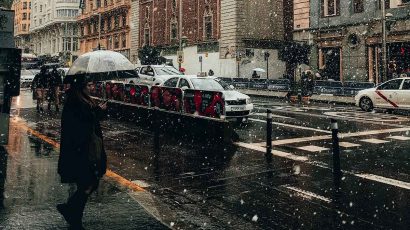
[[191, 114], [269, 135], [337, 173], [201, 103], [337, 88]]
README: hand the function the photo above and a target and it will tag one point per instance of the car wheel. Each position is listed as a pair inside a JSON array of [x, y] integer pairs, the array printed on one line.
[[366, 104]]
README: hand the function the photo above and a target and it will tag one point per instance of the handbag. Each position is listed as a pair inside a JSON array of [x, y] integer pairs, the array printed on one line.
[[95, 151]]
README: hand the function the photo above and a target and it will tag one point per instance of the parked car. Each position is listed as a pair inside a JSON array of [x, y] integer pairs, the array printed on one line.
[[27, 76], [154, 74], [392, 94], [237, 105]]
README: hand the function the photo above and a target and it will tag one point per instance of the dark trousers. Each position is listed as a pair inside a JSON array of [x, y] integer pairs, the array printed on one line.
[[76, 203]]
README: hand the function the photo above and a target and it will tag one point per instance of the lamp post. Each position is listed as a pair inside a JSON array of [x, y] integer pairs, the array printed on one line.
[[180, 31], [384, 44]]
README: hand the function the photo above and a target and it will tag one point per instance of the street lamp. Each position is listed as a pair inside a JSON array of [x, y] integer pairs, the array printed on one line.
[[385, 17]]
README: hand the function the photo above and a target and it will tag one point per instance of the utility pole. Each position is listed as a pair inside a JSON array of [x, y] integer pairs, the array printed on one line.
[[180, 30], [384, 44]]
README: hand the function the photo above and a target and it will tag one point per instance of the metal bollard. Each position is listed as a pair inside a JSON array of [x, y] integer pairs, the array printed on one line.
[[269, 134], [336, 152]]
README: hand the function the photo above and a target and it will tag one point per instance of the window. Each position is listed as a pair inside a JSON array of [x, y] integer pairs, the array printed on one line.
[[24, 5], [124, 40], [95, 27], [105, 3], [391, 85], [82, 30], [116, 22], [41, 8], [171, 82], [146, 36], [386, 4], [358, 6], [147, 71], [24, 27], [405, 1], [208, 27], [406, 85], [183, 83], [102, 25], [109, 23], [89, 29], [24, 16], [75, 44], [98, 3], [124, 20], [330, 7], [116, 42], [109, 42]]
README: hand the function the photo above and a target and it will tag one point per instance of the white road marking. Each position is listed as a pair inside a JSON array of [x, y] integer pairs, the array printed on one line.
[[385, 180], [367, 116], [273, 115], [374, 141], [341, 136], [400, 138], [348, 144], [293, 126], [312, 148], [307, 194], [274, 152], [327, 116], [380, 179]]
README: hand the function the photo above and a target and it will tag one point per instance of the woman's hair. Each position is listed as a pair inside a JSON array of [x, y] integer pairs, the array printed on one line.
[[76, 91]]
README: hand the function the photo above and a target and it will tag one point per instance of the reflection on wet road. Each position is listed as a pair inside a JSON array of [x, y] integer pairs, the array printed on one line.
[[208, 186]]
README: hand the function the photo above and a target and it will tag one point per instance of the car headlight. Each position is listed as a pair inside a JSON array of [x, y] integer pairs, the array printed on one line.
[[248, 101]]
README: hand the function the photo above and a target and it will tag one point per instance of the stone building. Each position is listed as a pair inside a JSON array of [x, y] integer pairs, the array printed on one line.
[[134, 30], [53, 27], [105, 24], [347, 38], [22, 9], [231, 37]]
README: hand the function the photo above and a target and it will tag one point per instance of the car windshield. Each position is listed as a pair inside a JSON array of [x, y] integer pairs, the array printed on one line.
[[223, 84], [166, 71], [206, 84]]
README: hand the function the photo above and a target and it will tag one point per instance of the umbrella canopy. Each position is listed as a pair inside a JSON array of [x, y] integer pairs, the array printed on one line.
[[102, 65], [259, 70]]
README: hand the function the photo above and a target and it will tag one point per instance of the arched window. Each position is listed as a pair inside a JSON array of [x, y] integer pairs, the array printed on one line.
[[124, 40]]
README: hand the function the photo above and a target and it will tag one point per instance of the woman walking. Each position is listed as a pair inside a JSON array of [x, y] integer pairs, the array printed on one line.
[[82, 157]]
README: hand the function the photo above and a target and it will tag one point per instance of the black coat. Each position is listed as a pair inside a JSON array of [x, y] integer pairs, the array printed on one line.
[[77, 122]]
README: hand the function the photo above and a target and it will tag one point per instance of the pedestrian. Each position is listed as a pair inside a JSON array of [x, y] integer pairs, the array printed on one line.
[[54, 83], [211, 72], [39, 87], [82, 157], [255, 75]]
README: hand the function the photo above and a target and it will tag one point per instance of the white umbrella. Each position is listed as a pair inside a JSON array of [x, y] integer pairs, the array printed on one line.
[[103, 65], [259, 70]]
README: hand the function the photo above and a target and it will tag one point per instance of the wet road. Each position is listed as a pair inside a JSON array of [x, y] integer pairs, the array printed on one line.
[[193, 185]]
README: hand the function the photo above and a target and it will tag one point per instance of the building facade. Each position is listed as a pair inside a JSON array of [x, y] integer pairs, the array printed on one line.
[[22, 10], [134, 30], [230, 37], [105, 24], [348, 38], [53, 27]]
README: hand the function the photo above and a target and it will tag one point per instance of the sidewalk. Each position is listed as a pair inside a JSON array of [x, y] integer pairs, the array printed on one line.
[[30, 188], [326, 98]]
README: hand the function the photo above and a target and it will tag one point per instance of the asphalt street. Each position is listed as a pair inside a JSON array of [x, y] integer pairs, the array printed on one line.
[[202, 185]]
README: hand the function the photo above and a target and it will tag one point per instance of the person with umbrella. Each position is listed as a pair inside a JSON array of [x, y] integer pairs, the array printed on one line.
[[39, 87], [54, 83], [255, 75], [82, 159]]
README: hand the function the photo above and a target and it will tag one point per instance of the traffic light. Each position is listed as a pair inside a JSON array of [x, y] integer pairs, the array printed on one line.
[[266, 56]]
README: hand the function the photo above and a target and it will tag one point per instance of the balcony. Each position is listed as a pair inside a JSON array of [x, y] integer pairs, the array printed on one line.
[[115, 4]]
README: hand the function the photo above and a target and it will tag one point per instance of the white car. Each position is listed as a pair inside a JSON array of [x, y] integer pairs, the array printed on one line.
[[27, 76], [392, 94], [237, 105], [154, 74]]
